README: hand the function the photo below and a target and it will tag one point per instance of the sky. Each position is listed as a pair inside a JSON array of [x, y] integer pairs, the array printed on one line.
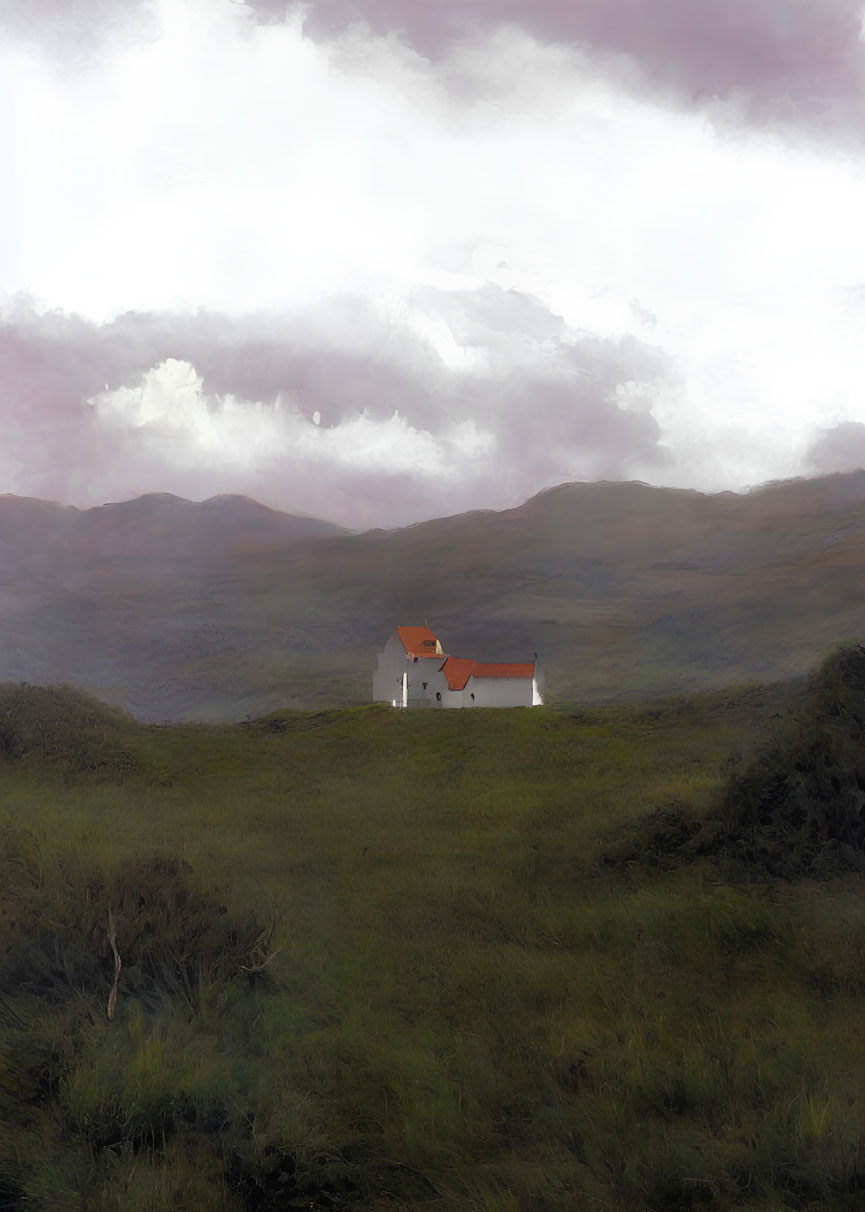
[[388, 260]]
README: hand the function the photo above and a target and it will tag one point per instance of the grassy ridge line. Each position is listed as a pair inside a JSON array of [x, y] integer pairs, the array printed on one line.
[[470, 1011]]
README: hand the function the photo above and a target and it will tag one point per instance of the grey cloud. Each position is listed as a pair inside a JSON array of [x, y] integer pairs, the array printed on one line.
[[265, 355], [549, 396], [798, 62], [837, 448], [546, 399]]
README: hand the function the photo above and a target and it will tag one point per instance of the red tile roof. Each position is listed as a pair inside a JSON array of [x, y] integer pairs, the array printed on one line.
[[504, 669], [419, 642], [458, 670]]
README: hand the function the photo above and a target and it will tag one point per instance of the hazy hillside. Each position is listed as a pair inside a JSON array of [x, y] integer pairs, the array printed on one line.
[[159, 527], [219, 609]]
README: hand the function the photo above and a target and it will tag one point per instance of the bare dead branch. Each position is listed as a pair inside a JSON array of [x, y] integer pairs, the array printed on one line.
[[258, 957], [260, 967], [112, 938]]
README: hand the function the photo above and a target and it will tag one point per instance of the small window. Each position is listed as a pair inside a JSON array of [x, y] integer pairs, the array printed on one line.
[[429, 643], [473, 696], [438, 696], [424, 685]]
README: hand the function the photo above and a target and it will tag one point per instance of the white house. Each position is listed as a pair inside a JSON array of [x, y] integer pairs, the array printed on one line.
[[414, 671]]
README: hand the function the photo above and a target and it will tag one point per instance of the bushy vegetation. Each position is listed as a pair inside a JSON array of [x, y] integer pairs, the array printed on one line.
[[795, 808], [64, 725], [808, 783], [493, 960]]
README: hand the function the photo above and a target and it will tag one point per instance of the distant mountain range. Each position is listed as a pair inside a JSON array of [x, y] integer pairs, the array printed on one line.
[[224, 608]]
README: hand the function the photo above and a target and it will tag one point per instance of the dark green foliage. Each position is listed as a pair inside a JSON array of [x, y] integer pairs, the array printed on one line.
[[805, 790], [661, 838], [64, 725], [176, 937], [173, 939], [267, 1181], [795, 807], [270, 1177], [115, 1086]]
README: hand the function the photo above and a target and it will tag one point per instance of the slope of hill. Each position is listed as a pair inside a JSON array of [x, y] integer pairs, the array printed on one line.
[[362, 960], [216, 610]]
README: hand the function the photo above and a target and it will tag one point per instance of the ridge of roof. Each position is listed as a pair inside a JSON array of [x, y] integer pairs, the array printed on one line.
[[458, 670], [504, 669]]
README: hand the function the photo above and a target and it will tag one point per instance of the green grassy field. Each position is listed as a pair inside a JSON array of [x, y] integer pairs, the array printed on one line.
[[454, 960]]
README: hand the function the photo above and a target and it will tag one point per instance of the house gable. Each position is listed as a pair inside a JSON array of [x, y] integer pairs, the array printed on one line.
[[419, 642]]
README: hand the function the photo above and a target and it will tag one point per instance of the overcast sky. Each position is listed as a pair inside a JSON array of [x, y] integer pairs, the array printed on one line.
[[386, 260]]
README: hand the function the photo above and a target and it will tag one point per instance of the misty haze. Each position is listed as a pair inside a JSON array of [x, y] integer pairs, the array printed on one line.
[[217, 610], [360, 359]]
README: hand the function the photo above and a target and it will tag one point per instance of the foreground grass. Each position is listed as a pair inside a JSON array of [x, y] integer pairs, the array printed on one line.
[[376, 959]]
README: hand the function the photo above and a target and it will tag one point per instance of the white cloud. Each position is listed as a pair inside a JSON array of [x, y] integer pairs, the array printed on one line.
[[241, 167], [168, 416]]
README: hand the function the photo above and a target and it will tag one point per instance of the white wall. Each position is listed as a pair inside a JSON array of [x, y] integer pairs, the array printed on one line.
[[537, 697], [449, 698], [424, 679], [498, 692], [487, 692], [387, 679], [393, 663]]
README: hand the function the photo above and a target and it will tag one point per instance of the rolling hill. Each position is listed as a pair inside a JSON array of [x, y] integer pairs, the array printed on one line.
[[220, 609]]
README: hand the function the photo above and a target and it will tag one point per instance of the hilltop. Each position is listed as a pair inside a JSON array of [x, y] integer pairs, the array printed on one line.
[[218, 610]]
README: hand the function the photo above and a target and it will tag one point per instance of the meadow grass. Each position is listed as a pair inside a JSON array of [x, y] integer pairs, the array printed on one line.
[[376, 959]]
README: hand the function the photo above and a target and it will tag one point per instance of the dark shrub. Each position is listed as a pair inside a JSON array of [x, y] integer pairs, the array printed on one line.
[[810, 779], [795, 807], [64, 725], [172, 937]]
